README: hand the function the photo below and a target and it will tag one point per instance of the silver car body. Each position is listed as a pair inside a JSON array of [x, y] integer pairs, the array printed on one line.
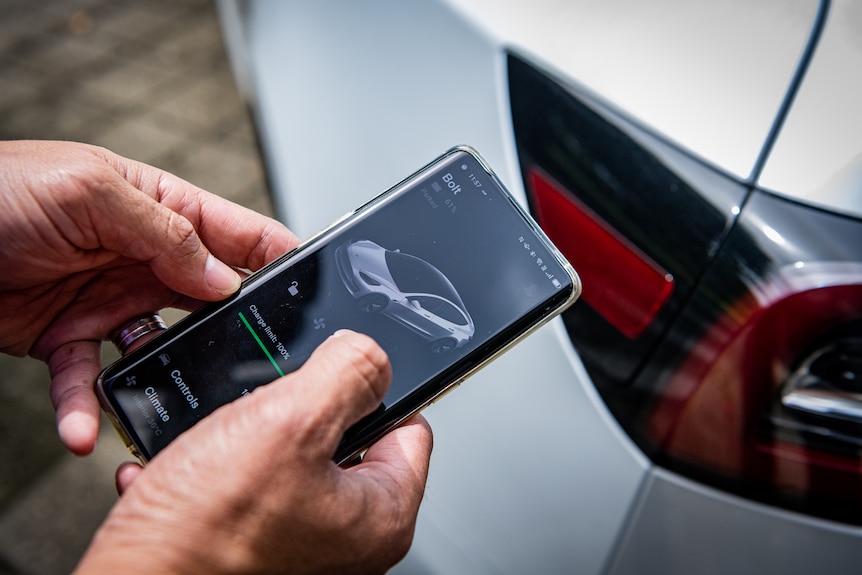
[[530, 472], [364, 268]]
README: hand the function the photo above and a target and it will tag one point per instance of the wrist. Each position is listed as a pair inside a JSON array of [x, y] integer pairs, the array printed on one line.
[[125, 545], [108, 555]]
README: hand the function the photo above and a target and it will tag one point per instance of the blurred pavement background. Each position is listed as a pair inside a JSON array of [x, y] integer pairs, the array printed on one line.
[[149, 80]]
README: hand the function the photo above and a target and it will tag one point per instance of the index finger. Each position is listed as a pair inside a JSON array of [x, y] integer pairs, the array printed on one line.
[[254, 239]]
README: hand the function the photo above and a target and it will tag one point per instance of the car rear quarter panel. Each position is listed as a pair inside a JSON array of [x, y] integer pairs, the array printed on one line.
[[529, 472]]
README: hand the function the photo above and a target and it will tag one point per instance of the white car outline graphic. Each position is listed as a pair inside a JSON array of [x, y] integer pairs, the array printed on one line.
[[406, 289]]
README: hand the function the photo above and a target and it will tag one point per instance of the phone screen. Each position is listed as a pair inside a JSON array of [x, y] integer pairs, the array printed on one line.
[[442, 271]]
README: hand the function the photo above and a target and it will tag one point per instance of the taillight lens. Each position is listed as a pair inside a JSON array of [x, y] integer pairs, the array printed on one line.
[[700, 316], [634, 288]]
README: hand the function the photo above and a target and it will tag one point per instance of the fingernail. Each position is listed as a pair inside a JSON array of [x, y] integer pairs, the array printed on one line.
[[341, 332], [221, 277]]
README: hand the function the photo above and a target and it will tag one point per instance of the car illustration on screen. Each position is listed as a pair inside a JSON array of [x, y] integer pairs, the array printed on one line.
[[406, 289]]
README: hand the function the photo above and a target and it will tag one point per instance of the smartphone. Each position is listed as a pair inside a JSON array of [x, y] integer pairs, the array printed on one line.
[[445, 271]]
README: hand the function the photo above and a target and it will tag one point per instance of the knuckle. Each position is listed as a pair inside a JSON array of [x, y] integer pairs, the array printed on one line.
[[74, 365], [369, 363], [271, 244], [185, 238]]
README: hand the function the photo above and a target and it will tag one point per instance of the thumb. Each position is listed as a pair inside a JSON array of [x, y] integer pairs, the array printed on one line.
[[142, 229], [345, 379]]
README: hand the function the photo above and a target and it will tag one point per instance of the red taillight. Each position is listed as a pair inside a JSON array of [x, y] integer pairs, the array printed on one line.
[[621, 283], [721, 411]]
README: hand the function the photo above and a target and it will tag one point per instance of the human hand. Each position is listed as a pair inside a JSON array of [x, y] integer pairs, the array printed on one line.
[[253, 488], [90, 240]]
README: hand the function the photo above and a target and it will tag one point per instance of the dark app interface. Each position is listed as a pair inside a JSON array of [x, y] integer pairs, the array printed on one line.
[[431, 273]]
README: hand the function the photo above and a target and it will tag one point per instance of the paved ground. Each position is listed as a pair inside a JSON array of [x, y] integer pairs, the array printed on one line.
[[149, 80]]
